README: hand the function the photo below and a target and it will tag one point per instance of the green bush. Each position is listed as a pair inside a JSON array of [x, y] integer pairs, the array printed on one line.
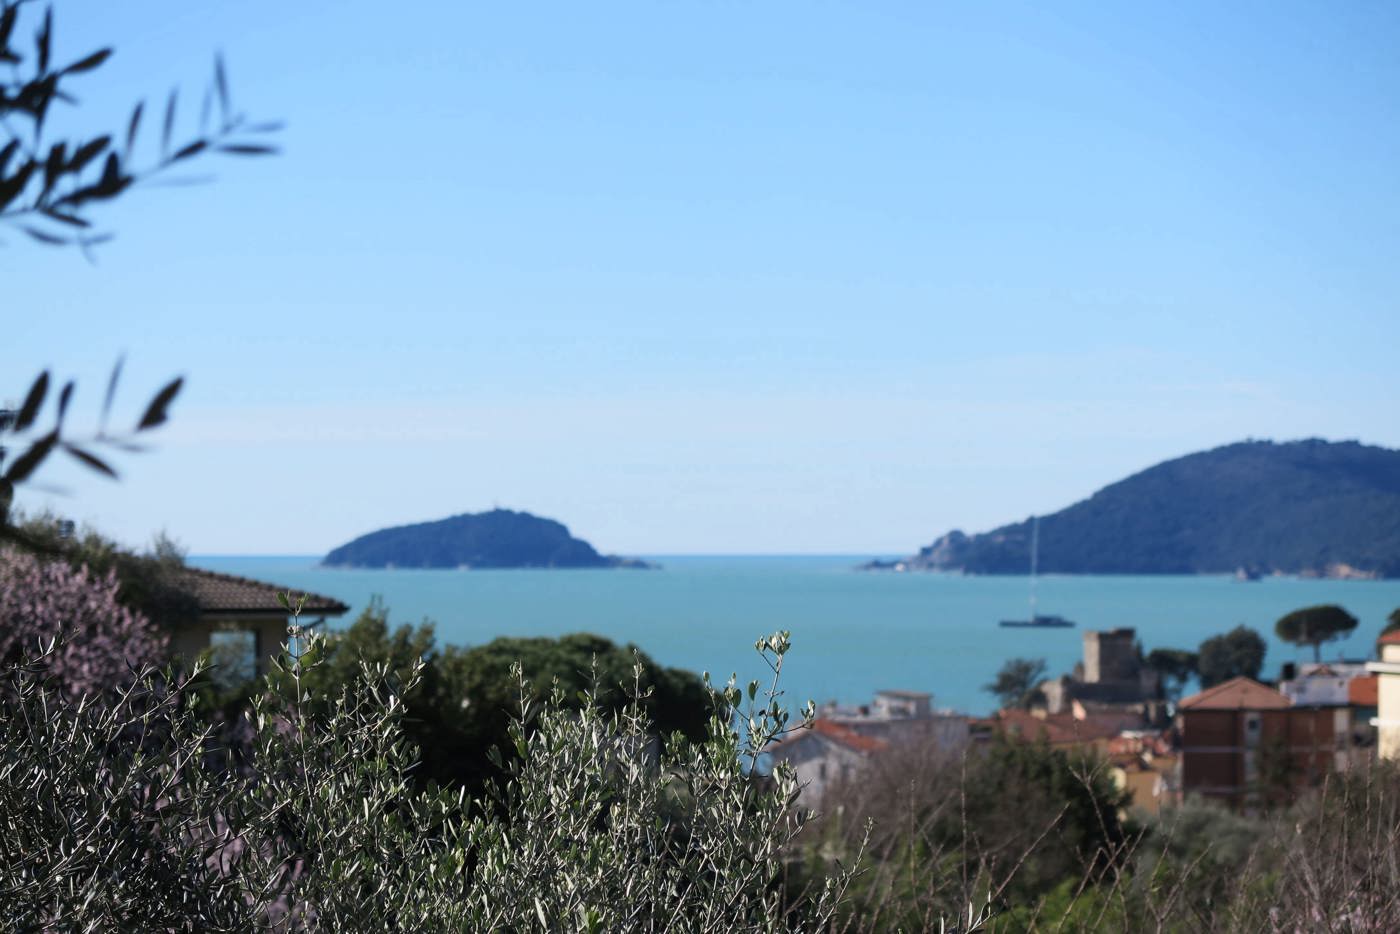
[[129, 815], [465, 700]]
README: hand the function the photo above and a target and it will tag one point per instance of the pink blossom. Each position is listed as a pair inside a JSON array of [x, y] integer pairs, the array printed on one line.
[[100, 640]]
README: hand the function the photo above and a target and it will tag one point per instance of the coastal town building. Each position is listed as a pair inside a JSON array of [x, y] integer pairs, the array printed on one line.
[[240, 620], [1074, 729], [1146, 765], [1363, 696], [902, 717], [1387, 672], [842, 740], [824, 754], [1245, 744], [902, 705], [1346, 687], [1110, 679], [1319, 684], [1362, 701], [1141, 761], [1112, 707]]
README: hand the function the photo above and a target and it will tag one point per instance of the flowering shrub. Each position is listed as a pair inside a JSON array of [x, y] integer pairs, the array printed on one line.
[[99, 639]]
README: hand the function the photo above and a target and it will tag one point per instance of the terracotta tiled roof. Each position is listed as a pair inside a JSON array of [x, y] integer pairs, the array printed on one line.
[[1057, 728], [1236, 694], [1389, 638], [226, 593], [847, 737], [1363, 691]]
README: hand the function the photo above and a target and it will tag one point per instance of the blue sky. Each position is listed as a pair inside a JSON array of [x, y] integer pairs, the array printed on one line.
[[781, 277]]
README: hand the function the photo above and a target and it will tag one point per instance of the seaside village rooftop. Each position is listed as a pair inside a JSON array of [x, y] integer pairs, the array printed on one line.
[[240, 620], [1243, 743]]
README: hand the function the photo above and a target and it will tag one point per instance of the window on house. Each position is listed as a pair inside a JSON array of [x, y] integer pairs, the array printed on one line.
[[234, 653]]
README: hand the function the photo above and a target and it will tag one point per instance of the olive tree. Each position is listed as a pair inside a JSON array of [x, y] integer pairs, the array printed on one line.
[[130, 816], [49, 187], [22, 426]]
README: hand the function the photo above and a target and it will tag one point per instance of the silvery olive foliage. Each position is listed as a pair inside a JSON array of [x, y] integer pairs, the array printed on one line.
[[609, 830], [48, 187], [130, 814], [110, 817], [22, 426]]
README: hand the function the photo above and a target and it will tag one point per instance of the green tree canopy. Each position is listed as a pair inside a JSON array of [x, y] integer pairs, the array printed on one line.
[[1238, 652], [1175, 666], [1015, 684], [1314, 625], [477, 687], [466, 698]]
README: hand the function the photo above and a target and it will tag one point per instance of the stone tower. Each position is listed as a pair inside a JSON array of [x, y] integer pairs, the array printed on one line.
[[1111, 657]]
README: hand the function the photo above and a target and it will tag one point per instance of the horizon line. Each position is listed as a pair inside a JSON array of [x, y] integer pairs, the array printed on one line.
[[644, 554]]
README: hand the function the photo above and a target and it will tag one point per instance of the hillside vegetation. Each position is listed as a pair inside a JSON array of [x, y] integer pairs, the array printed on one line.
[[1304, 507]]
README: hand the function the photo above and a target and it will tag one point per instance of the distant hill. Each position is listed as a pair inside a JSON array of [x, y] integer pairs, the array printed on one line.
[[500, 538], [1311, 507]]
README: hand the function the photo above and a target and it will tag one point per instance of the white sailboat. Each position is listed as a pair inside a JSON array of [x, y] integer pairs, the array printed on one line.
[[1036, 619]]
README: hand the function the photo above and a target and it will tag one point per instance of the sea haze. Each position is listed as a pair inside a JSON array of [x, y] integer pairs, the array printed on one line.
[[853, 632]]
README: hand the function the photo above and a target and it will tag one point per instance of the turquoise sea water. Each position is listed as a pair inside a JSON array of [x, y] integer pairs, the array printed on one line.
[[853, 632]]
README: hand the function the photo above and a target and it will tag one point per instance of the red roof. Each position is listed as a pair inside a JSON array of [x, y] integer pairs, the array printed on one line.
[[1236, 694], [1389, 638], [847, 737], [1363, 691], [226, 593], [1057, 728]]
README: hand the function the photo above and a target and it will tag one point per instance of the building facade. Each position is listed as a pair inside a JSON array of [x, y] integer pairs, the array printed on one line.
[[240, 622], [823, 755], [843, 741], [1110, 679], [1245, 744], [1387, 672]]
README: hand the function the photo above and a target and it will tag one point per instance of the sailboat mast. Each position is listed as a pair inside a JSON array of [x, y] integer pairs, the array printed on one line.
[[1035, 560]]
